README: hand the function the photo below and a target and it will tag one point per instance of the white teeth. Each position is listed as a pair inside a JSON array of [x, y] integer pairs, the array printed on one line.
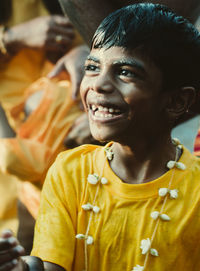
[[111, 110], [105, 110], [100, 115], [100, 108], [97, 113], [93, 107]]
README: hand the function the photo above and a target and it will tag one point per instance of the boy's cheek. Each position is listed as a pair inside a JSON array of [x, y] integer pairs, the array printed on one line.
[[84, 88], [83, 99], [82, 93]]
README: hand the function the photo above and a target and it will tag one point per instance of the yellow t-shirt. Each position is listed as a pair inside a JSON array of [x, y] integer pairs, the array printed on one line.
[[124, 218]]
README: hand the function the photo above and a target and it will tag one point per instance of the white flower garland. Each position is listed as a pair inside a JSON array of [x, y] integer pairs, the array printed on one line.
[[146, 244]]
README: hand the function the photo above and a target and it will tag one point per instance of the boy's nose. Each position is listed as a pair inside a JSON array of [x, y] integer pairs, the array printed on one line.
[[103, 84]]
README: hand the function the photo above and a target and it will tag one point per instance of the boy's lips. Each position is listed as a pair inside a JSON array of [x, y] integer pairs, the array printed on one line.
[[106, 112]]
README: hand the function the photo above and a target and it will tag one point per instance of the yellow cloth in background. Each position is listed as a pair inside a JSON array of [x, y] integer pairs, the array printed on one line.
[[15, 76], [124, 218], [27, 66], [25, 10], [40, 138], [29, 195], [9, 186], [31, 153]]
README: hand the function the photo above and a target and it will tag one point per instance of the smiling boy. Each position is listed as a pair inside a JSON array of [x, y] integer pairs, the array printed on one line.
[[133, 204]]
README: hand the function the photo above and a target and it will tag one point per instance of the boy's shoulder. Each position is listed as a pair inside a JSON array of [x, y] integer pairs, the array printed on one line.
[[80, 150], [75, 156]]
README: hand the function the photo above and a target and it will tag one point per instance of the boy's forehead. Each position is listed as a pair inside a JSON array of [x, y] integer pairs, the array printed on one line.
[[114, 54]]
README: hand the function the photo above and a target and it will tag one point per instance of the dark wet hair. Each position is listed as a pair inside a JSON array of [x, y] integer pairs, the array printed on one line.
[[168, 39]]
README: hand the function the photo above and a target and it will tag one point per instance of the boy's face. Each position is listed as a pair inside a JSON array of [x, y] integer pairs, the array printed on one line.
[[121, 91]]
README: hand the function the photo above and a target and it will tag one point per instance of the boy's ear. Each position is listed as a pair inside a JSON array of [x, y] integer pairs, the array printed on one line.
[[179, 102]]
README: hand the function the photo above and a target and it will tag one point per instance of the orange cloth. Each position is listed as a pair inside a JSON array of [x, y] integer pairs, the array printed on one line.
[[28, 65], [29, 195], [30, 154], [40, 138], [15, 77]]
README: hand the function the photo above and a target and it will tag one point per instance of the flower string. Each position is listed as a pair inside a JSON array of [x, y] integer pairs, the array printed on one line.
[[164, 192], [100, 180]]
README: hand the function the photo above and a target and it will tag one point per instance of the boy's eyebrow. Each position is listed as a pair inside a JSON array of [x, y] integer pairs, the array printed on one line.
[[93, 58], [131, 62]]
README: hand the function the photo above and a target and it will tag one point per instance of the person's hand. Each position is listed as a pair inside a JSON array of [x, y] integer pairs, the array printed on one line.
[[52, 33], [10, 252], [80, 133], [73, 64]]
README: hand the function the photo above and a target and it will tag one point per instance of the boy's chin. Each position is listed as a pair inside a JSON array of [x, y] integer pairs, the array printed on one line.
[[104, 136], [101, 137]]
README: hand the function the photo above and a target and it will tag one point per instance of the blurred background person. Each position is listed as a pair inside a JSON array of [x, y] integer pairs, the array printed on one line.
[[31, 41], [36, 113]]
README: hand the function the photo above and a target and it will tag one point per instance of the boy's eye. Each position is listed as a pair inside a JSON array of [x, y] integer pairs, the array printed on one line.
[[126, 73], [91, 68]]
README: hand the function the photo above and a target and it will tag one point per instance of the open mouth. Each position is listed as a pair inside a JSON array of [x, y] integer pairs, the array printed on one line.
[[109, 112]]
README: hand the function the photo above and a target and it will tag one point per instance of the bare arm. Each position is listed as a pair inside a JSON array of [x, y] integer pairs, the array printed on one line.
[[11, 258], [38, 33], [87, 14], [36, 264], [52, 267]]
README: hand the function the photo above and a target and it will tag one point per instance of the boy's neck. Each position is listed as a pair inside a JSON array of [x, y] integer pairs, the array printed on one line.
[[143, 162]]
